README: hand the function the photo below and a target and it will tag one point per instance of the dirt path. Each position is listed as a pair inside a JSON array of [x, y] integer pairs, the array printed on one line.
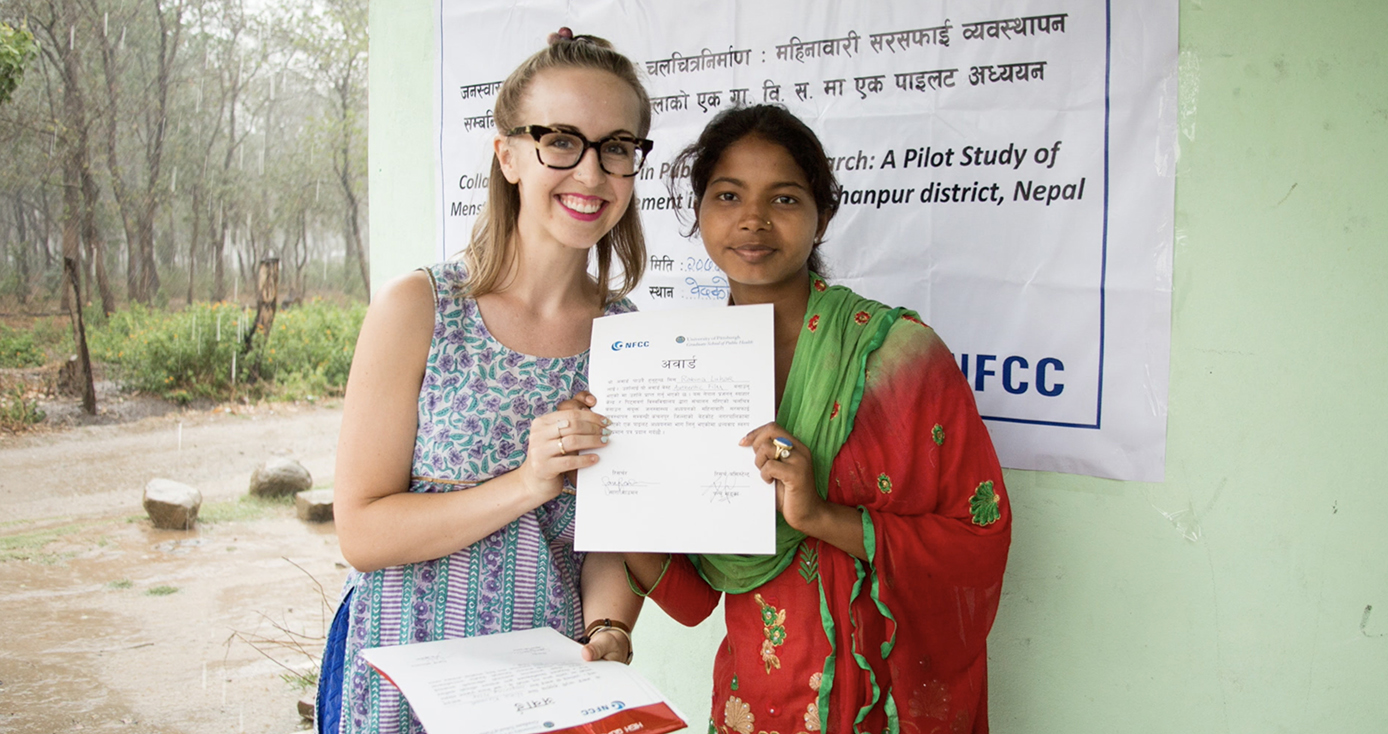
[[111, 625], [98, 470]]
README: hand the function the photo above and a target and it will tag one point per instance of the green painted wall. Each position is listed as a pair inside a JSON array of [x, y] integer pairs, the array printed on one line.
[[1236, 596]]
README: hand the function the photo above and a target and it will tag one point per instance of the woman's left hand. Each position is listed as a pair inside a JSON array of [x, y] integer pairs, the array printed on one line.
[[608, 644], [796, 497]]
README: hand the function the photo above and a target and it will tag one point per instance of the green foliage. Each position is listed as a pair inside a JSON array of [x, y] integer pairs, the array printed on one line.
[[17, 49], [54, 334], [186, 353], [120, 584], [250, 118], [161, 591], [17, 411], [189, 354], [309, 350], [17, 349]]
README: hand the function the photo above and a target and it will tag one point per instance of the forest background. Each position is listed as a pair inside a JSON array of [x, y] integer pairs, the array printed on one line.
[[166, 148]]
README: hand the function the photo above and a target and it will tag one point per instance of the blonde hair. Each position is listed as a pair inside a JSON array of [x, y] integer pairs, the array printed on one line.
[[489, 251]]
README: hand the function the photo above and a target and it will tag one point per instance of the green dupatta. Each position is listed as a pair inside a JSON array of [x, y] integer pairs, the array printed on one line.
[[821, 398]]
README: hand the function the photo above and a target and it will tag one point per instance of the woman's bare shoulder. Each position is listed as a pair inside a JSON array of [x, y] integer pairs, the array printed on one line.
[[409, 293], [400, 321]]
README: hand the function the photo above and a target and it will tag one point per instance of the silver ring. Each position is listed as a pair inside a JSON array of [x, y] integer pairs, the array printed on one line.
[[783, 447]]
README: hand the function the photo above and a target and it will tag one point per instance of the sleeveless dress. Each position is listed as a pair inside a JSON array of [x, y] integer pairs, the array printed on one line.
[[476, 404]]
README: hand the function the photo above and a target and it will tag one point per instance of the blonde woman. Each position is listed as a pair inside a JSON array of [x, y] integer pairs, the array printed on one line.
[[466, 406]]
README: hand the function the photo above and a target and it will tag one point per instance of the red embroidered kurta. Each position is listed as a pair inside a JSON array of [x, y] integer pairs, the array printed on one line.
[[920, 464]]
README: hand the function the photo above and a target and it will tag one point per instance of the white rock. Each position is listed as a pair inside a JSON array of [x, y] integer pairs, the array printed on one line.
[[280, 478], [314, 505], [172, 505]]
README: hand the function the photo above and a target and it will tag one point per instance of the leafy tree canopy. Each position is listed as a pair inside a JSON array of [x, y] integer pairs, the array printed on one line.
[[17, 48]]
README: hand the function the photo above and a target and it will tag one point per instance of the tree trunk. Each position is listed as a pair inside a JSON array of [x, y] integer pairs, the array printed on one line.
[[73, 142], [240, 266], [301, 261], [154, 149], [79, 338], [219, 242], [96, 244], [23, 231], [353, 221], [72, 216], [23, 289], [133, 263], [86, 260], [267, 296], [148, 283], [47, 239], [46, 235], [193, 243], [267, 293]]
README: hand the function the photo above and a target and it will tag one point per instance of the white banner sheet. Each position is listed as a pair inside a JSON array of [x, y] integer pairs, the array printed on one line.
[[1008, 169]]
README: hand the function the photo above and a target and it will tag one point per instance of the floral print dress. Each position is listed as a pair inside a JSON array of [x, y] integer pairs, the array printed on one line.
[[476, 404]]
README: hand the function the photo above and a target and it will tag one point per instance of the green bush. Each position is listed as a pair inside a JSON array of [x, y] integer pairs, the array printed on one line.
[[17, 349], [190, 353], [183, 354], [54, 334], [309, 350], [17, 411]]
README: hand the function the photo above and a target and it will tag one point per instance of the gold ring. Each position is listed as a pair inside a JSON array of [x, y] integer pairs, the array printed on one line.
[[562, 452], [783, 447], [561, 425]]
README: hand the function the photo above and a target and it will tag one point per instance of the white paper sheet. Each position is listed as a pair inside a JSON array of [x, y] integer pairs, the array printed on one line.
[[681, 387], [518, 683]]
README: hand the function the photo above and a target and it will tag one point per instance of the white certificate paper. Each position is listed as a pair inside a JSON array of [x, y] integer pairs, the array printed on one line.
[[682, 388], [520, 683]]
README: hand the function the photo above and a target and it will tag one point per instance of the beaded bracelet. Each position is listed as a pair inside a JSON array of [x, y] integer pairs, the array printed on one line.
[[598, 624], [612, 625]]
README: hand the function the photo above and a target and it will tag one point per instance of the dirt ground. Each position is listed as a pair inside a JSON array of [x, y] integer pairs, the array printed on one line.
[[111, 625]]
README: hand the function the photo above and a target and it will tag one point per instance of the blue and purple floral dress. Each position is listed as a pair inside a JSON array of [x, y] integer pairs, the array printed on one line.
[[475, 407]]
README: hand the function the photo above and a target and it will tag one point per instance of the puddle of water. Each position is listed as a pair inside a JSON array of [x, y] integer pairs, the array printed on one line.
[[127, 628], [38, 697]]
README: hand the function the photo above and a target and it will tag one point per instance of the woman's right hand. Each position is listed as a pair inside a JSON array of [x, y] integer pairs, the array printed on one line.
[[556, 440]]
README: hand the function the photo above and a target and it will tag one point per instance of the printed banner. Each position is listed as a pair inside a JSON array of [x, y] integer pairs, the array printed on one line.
[[1008, 171]]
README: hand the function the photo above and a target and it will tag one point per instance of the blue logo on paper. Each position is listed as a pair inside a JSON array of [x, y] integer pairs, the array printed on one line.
[[679, 340], [614, 706], [619, 345]]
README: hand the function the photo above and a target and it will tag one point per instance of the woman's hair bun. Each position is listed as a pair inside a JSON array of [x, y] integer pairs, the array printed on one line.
[[566, 35]]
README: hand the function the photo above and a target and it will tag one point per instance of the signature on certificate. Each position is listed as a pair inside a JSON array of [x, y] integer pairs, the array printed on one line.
[[619, 482], [726, 486]]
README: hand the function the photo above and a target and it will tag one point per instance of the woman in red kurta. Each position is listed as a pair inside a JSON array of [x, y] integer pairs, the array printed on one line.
[[893, 525]]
